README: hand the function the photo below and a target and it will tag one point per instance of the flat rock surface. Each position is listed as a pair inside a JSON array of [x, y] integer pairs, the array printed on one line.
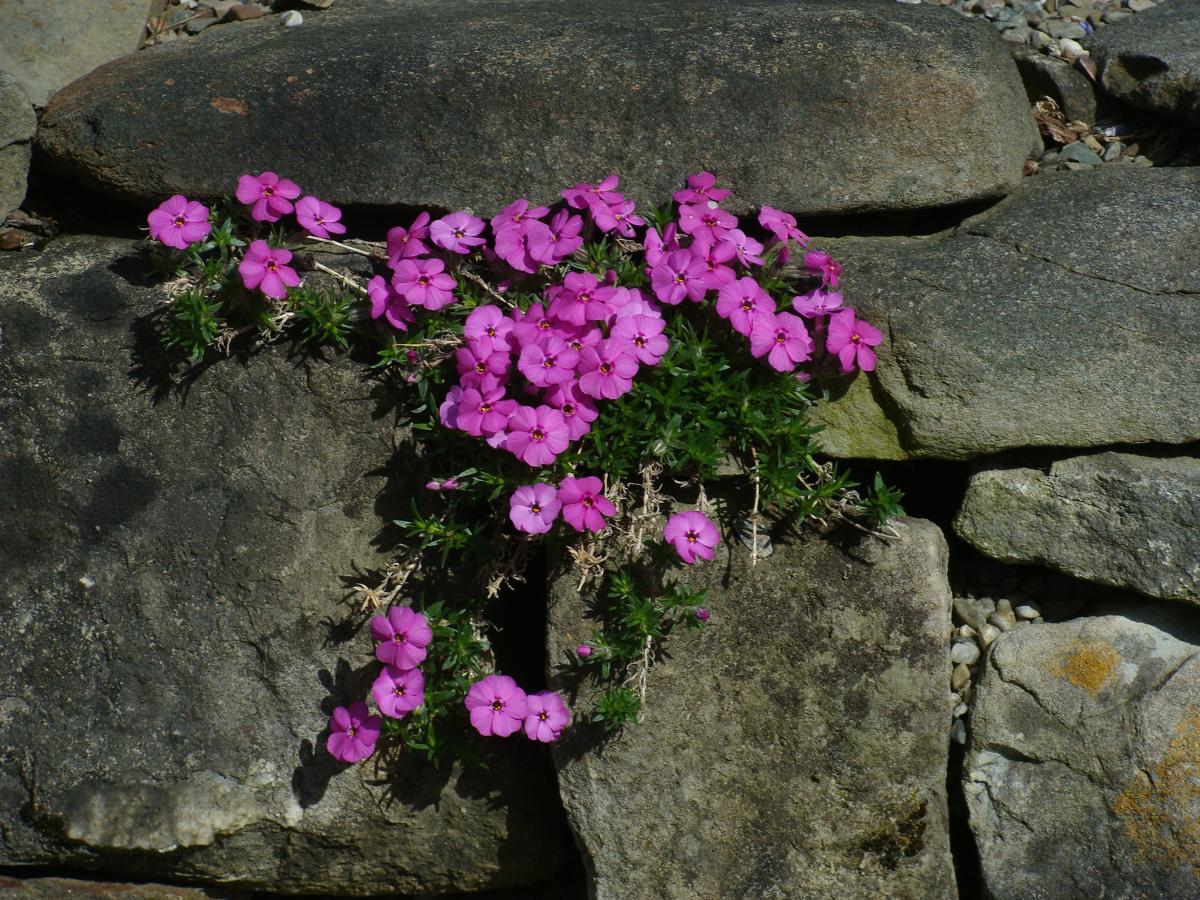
[[17, 126], [1083, 770], [1066, 318], [1153, 59], [795, 748], [170, 585], [1117, 519], [816, 107], [47, 44]]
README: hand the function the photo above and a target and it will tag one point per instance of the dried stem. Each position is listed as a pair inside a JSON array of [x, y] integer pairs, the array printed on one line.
[[349, 282]]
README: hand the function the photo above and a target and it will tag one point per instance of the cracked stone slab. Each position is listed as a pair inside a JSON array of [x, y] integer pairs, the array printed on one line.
[[1116, 519], [1067, 317], [17, 126], [1082, 776], [806, 105], [795, 748], [1152, 60], [172, 569]]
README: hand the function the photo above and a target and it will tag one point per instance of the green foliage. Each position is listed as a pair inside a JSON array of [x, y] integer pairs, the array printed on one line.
[[325, 316], [193, 322], [883, 502]]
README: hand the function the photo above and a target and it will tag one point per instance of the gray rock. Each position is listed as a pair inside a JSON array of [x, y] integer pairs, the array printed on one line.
[[17, 126], [1048, 76], [965, 652], [1057, 28], [1113, 518], [796, 748], [57, 888], [807, 106], [47, 45], [172, 573], [1153, 59], [1079, 152], [1026, 329], [1083, 771]]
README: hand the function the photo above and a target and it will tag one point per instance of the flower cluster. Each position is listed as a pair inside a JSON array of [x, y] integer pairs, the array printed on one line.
[[497, 706]]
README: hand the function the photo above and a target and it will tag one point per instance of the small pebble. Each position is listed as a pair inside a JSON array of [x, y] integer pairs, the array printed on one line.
[[1003, 621], [988, 634], [1026, 612], [1039, 40], [291, 19], [968, 632], [1112, 151], [1003, 605], [1071, 49], [958, 733], [965, 652], [1140, 5], [965, 693], [960, 677], [87, 582], [960, 710]]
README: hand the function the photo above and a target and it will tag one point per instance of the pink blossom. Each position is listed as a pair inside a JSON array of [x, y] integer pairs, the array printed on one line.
[[386, 302], [403, 635], [318, 217], [489, 321], [617, 217], [398, 692], [607, 370], [512, 246], [645, 335], [353, 733], [546, 716], [482, 357], [782, 225], [406, 243], [700, 190], [829, 268], [578, 409], [450, 484], [584, 506], [702, 614], [532, 325], [715, 255], [548, 361], [448, 411], [585, 196], [580, 298], [457, 232], [517, 213], [706, 220], [782, 338], [693, 535], [749, 251], [533, 508], [583, 650], [657, 246], [817, 302], [581, 336], [179, 222], [496, 706], [741, 302], [551, 244], [484, 412], [269, 196], [423, 282], [536, 436], [851, 339], [267, 269], [680, 274]]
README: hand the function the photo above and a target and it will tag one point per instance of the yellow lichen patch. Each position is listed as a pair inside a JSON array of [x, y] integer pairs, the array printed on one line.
[[1160, 809], [1088, 664]]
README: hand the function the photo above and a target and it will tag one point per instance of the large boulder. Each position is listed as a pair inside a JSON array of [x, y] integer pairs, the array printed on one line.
[[170, 582], [1066, 318], [1113, 518], [17, 127], [1152, 60], [1083, 771], [817, 107], [48, 45], [796, 748]]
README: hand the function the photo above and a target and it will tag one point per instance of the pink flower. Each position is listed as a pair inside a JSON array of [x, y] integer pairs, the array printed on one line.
[[398, 692], [352, 733], [578, 409], [816, 303], [693, 535], [536, 436], [782, 338], [741, 302], [512, 246], [583, 650], [548, 361], [749, 251], [179, 222], [782, 225], [584, 506], [318, 217], [657, 246], [457, 232], [645, 335], [828, 267], [386, 302], [490, 322], [533, 508], [546, 715], [618, 217], [532, 325], [269, 196], [852, 339], [706, 220], [607, 370], [484, 412], [586, 196], [481, 357], [702, 614], [448, 411], [517, 213], [403, 635], [678, 275], [423, 282], [700, 190], [406, 243], [496, 706], [551, 244], [267, 269], [580, 298], [715, 256]]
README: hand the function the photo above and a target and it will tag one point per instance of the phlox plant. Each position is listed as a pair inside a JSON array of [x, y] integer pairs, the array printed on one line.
[[578, 375]]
